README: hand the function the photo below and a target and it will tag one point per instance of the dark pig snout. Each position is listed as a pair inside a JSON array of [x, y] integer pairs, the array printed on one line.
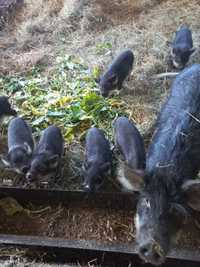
[[5, 107], [30, 176], [13, 112], [87, 188], [150, 251]]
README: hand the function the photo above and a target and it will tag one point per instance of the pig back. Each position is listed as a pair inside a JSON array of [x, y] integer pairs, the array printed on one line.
[[51, 140], [19, 132], [175, 147], [97, 146]]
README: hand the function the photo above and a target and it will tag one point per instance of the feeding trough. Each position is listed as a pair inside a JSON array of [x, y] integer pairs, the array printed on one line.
[[64, 236]]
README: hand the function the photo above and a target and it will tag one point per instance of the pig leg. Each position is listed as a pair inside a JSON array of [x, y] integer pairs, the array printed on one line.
[[58, 173], [125, 88], [112, 171], [57, 176], [114, 93], [119, 86], [130, 75]]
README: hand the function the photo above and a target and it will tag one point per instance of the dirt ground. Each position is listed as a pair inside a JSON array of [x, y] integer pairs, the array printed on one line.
[[42, 30]]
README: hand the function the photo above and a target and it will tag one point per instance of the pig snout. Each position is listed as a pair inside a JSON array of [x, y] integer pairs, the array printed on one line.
[[13, 112], [87, 188], [25, 169], [151, 252], [30, 176], [178, 65]]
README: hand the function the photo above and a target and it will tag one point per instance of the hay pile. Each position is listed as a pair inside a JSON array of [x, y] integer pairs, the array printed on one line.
[[41, 30], [97, 31]]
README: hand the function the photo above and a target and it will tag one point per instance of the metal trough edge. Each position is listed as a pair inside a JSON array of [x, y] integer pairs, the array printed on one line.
[[92, 246], [115, 200]]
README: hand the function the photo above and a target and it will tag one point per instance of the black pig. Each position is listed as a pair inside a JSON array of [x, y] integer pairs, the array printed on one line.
[[5, 107], [182, 47], [98, 159], [168, 189], [130, 143], [20, 145], [117, 72], [47, 155]]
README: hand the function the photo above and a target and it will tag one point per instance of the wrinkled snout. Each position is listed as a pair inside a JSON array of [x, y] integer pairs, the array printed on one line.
[[178, 65], [25, 169], [95, 186], [13, 112], [151, 252], [177, 61], [30, 176], [87, 188]]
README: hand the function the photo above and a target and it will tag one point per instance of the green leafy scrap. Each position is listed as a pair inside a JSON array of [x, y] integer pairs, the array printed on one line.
[[68, 98]]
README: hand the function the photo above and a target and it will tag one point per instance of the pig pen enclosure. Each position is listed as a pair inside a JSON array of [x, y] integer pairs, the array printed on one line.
[[51, 52]]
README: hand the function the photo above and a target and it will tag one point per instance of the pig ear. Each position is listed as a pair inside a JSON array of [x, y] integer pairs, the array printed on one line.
[[137, 179], [105, 167], [134, 181], [172, 52], [28, 148], [53, 161], [113, 78], [191, 190]]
